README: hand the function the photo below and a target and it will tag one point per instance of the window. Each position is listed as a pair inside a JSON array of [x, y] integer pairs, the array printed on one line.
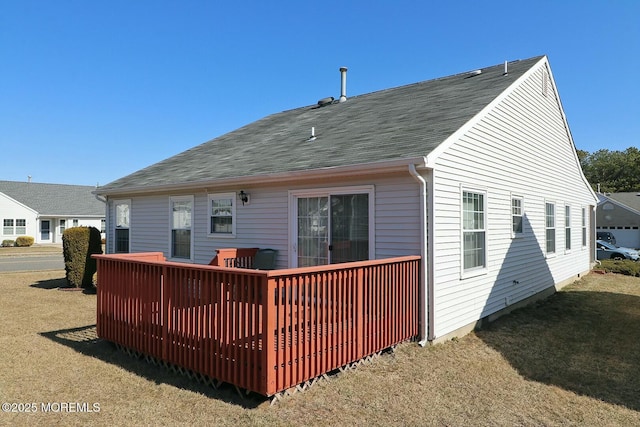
[[222, 214], [567, 228], [516, 215], [473, 230], [7, 227], [103, 226], [550, 227], [21, 226], [63, 226], [181, 220], [75, 223], [122, 218], [584, 227]]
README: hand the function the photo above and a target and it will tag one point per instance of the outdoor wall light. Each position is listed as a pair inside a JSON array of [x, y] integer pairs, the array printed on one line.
[[244, 197]]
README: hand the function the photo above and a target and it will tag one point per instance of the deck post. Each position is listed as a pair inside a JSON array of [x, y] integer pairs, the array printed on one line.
[[268, 330], [165, 313]]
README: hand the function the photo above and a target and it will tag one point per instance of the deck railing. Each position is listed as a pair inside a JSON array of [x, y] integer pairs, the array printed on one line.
[[264, 331]]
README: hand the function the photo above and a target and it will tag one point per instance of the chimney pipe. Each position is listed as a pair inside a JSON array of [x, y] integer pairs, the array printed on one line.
[[343, 85]]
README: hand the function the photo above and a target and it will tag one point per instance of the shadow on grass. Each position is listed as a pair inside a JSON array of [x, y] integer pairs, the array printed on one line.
[[584, 342], [85, 341], [62, 285]]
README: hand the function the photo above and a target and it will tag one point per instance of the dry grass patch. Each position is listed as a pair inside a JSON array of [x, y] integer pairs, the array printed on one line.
[[570, 360]]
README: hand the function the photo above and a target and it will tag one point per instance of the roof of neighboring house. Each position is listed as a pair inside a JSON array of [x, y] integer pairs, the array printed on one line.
[[55, 199], [393, 124], [631, 199]]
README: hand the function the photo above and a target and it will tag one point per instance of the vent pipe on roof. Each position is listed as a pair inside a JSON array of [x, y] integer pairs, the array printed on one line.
[[28, 178], [506, 68], [343, 84]]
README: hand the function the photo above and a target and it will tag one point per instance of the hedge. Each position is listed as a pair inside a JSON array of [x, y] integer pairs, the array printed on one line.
[[78, 244]]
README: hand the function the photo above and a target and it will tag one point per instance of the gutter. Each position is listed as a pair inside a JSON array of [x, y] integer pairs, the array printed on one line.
[[424, 293]]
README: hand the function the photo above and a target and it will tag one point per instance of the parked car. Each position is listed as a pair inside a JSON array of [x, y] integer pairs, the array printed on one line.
[[606, 236], [606, 250]]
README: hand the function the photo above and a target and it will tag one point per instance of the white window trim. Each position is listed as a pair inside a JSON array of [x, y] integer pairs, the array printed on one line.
[[329, 191], [475, 271], [114, 221], [515, 235], [191, 242], [234, 216], [584, 227], [555, 227], [568, 225]]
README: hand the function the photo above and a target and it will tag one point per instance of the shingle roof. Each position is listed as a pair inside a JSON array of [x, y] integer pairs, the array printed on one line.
[[630, 199], [55, 199], [393, 124]]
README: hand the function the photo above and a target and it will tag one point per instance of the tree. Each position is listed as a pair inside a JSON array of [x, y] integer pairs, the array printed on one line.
[[612, 171]]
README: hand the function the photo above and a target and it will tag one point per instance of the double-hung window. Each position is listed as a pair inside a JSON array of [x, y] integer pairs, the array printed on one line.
[[584, 227], [474, 252], [21, 226], [7, 227], [222, 215], [122, 221], [567, 228], [517, 226], [550, 227], [181, 226]]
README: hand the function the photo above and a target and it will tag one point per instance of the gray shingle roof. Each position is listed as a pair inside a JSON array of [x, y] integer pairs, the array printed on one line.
[[55, 199], [631, 199], [393, 124]]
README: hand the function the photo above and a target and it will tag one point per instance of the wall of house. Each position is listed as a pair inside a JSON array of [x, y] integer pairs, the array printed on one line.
[[521, 148], [264, 221], [10, 209]]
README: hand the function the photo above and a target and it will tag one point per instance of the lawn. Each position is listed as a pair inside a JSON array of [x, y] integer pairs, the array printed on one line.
[[570, 360]]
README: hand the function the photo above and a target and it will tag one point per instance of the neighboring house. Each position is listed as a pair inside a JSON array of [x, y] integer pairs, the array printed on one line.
[[476, 172], [619, 213], [44, 211]]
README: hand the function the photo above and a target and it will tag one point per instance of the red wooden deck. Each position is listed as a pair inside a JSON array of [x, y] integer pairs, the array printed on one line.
[[263, 331]]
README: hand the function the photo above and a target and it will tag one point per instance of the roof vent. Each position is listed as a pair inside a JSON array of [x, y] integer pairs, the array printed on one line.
[[325, 101], [343, 84], [475, 73]]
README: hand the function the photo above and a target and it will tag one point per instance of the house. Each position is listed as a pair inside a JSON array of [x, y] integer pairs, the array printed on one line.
[[44, 211], [476, 172], [619, 213]]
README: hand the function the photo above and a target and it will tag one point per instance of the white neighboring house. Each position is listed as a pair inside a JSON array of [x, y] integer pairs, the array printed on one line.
[[44, 211], [476, 172]]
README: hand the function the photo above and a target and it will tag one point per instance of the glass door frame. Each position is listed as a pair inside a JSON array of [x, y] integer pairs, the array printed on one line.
[[294, 195]]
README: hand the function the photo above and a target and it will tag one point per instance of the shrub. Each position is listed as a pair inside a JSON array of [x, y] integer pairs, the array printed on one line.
[[24, 241], [8, 243], [78, 244], [627, 267]]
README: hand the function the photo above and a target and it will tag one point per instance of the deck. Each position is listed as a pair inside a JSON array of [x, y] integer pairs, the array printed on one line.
[[262, 331]]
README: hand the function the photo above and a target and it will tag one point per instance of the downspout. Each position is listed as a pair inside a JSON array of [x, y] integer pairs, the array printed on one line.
[[422, 292]]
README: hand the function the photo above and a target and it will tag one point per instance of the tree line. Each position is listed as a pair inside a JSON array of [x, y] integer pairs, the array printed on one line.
[[612, 171]]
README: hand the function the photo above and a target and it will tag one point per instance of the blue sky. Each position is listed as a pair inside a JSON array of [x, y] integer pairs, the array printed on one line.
[[91, 91]]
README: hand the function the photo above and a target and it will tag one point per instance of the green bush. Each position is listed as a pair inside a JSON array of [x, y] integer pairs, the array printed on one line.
[[78, 244], [627, 267], [8, 243], [24, 241]]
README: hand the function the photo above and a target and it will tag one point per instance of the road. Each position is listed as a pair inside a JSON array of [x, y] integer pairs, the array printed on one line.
[[32, 263]]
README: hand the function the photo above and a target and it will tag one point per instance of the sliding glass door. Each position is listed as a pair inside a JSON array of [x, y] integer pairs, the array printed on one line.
[[333, 227]]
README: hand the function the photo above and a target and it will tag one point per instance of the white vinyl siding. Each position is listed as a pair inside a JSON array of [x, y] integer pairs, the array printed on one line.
[[502, 152], [263, 223]]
